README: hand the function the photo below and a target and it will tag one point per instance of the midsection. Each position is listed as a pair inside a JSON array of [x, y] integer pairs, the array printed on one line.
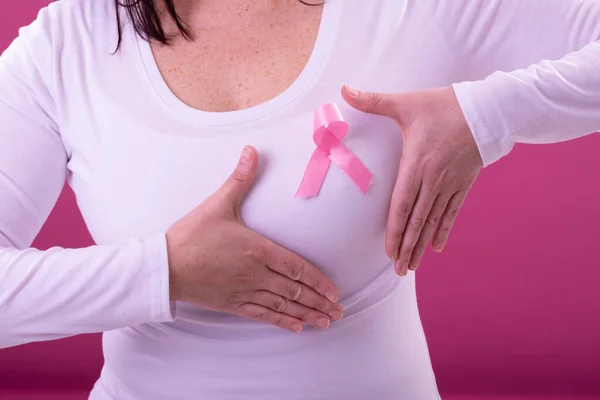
[[380, 353]]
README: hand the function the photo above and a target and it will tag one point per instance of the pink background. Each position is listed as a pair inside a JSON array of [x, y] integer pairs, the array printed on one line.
[[511, 307]]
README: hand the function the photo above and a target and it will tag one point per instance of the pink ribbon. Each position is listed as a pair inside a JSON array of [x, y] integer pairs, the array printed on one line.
[[329, 131]]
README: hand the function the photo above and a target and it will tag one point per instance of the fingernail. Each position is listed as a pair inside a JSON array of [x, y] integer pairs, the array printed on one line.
[[400, 272], [438, 247], [246, 157], [336, 315], [332, 297], [351, 91], [396, 255], [413, 267], [397, 267], [403, 270], [322, 323], [297, 328]]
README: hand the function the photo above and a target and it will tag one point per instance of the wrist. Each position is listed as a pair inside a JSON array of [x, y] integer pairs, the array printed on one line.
[[461, 124], [174, 289]]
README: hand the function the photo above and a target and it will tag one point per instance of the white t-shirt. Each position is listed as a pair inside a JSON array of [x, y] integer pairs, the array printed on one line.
[[138, 159]]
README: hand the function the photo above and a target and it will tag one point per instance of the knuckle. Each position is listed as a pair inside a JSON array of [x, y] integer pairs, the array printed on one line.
[[295, 291], [257, 253], [373, 99], [453, 213], [257, 281], [261, 315], [417, 223], [297, 271], [250, 279], [236, 297], [403, 209], [444, 229], [434, 219], [239, 176], [279, 305]]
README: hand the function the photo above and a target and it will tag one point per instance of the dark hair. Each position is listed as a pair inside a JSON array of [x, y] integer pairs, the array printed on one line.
[[143, 14]]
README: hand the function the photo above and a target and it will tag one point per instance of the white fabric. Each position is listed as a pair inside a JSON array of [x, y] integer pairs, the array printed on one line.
[[138, 159]]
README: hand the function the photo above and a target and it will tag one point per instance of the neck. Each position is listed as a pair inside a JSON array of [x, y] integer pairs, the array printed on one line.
[[205, 14]]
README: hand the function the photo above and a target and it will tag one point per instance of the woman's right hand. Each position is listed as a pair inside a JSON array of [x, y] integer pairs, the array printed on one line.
[[217, 263]]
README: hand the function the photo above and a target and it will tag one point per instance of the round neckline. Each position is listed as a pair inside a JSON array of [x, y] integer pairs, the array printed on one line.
[[316, 62]]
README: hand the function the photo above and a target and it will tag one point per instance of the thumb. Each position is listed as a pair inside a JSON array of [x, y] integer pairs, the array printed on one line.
[[373, 103], [239, 182]]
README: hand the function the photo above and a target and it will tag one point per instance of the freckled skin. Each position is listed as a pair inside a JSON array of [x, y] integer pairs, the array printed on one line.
[[243, 53]]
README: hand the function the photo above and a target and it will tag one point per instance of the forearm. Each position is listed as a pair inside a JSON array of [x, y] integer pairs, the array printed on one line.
[[552, 101], [47, 295], [529, 70]]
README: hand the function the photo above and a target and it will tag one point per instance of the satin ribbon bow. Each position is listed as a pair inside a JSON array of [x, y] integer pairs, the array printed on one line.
[[329, 131]]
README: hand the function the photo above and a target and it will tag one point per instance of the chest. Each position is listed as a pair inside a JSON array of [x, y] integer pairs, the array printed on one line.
[[238, 61], [148, 180], [132, 157], [140, 160]]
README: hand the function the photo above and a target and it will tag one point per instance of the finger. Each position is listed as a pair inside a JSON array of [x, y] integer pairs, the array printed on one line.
[[284, 306], [441, 236], [431, 225], [239, 182], [403, 199], [288, 264], [299, 293], [414, 226], [264, 314], [374, 103]]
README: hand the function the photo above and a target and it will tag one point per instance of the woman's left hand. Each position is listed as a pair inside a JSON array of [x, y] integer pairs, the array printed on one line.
[[440, 162]]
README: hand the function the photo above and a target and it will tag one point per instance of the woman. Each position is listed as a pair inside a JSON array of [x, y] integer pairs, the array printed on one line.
[[148, 132]]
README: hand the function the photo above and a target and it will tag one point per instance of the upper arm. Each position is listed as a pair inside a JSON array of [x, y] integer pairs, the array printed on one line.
[[32, 156], [486, 36]]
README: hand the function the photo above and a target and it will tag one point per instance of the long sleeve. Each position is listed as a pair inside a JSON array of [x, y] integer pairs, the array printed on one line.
[[529, 70], [59, 292]]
